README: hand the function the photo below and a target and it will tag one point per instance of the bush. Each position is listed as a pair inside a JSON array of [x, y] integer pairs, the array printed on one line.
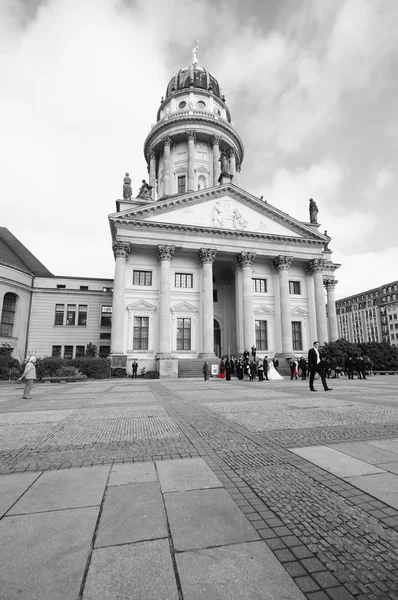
[[8, 365], [95, 368], [152, 375], [380, 356], [119, 372]]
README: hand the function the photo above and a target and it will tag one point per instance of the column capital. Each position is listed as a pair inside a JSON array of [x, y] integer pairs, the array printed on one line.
[[330, 284], [215, 140], [165, 252], [191, 135], [207, 255], [121, 249], [282, 262], [316, 265], [167, 141], [152, 154], [246, 259]]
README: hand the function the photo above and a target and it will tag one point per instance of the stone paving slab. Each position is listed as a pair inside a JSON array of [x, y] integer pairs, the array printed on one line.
[[193, 474], [132, 513], [204, 518], [383, 486], [12, 487], [388, 445], [391, 467], [43, 556], [141, 571], [247, 571], [336, 462], [132, 473], [56, 490], [366, 452]]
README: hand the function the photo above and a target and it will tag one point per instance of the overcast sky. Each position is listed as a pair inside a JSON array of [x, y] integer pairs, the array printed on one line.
[[311, 84]]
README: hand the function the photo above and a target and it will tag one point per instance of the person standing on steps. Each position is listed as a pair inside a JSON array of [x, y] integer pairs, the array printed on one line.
[[135, 367], [315, 365]]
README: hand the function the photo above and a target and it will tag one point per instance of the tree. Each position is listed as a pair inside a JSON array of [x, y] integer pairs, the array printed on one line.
[[91, 350]]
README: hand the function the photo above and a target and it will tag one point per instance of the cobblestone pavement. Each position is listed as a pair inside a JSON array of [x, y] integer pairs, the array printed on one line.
[[334, 540]]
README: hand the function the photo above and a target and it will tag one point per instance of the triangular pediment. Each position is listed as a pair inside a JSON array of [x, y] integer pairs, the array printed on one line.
[[225, 208], [141, 305], [184, 307], [263, 310], [299, 312]]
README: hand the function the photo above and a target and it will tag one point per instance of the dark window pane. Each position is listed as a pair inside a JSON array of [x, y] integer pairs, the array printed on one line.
[[183, 334], [8, 314], [106, 316], [140, 333], [56, 351], [261, 335], [296, 335], [68, 352], [82, 317]]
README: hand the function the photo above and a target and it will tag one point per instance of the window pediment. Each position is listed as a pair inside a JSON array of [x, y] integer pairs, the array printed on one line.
[[183, 307], [141, 305]]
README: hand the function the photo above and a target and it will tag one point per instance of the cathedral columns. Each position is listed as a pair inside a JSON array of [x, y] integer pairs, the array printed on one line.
[[152, 172], [330, 285], [191, 160], [246, 261], [232, 164], [282, 264], [316, 267], [206, 257], [216, 159], [165, 256], [121, 250], [167, 166]]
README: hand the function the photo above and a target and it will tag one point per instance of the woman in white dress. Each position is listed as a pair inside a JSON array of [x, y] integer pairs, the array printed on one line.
[[272, 373]]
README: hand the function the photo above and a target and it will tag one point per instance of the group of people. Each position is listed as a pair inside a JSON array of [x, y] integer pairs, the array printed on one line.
[[247, 368]]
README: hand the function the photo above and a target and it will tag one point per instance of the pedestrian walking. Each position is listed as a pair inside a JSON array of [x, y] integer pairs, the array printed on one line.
[[228, 370], [135, 369], [206, 371], [303, 368], [349, 365], [315, 365], [29, 375]]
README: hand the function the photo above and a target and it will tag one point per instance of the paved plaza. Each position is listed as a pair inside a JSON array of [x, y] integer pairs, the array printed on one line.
[[191, 490]]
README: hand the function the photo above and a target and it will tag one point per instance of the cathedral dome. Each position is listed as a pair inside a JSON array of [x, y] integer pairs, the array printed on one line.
[[193, 76]]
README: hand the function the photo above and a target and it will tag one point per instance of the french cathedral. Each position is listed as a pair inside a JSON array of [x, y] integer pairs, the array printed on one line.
[[203, 269]]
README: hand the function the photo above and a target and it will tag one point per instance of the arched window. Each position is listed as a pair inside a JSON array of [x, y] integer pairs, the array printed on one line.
[[8, 314]]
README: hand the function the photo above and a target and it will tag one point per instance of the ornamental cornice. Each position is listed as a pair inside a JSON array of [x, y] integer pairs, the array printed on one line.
[[246, 259], [206, 255], [316, 265], [165, 252], [121, 249], [193, 119], [282, 262]]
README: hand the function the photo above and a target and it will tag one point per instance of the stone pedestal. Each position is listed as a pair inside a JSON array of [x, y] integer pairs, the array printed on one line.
[[167, 367], [225, 178]]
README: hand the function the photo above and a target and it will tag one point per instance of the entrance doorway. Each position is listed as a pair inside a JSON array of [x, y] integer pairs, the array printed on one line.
[[217, 338]]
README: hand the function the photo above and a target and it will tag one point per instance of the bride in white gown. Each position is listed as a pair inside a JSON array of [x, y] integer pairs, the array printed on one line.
[[272, 373]]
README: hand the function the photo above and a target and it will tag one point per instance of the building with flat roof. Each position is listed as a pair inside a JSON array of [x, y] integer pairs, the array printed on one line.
[[370, 316]]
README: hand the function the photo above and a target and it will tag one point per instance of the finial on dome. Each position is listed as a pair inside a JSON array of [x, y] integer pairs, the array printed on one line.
[[195, 54]]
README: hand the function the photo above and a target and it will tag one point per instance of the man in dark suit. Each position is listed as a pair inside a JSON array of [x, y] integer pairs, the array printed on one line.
[[315, 366], [303, 368]]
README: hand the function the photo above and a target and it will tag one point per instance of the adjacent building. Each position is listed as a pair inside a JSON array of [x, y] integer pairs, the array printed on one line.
[[370, 316]]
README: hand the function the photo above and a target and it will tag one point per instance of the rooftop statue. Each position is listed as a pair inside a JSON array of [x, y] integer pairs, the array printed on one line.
[[313, 211], [127, 187], [195, 54], [145, 190]]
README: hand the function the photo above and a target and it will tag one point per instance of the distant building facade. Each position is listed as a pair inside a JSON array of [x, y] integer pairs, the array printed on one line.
[[370, 316]]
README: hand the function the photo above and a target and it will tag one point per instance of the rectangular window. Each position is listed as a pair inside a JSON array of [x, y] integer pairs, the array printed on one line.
[[82, 316], [59, 314], [61, 286], [183, 334], [261, 335], [56, 351], [84, 288], [105, 336], [106, 316], [71, 314], [142, 277], [260, 285], [294, 287], [140, 333], [215, 297], [8, 314], [184, 280], [68, 351], [181, 184], [104, 351], [80, 351], [296, 335]]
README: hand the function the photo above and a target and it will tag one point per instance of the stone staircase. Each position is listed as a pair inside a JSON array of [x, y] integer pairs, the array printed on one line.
[[193, 367]]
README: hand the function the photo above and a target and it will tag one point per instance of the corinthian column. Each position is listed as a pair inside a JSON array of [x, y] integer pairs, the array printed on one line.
[[165, 256], [121, 250], [206, 257], [191, 160], [282, 264], [152, 172], [246, 261], [330, 285], [316, 267], [167, 166], [216, 158]]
